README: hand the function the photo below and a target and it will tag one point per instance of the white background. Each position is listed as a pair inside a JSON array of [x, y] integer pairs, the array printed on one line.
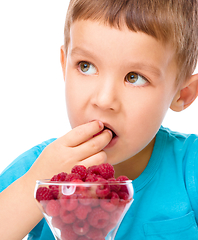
[[32, 101]]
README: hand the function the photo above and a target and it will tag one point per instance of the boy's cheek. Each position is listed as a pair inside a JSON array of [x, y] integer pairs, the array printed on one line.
[[75, 118]]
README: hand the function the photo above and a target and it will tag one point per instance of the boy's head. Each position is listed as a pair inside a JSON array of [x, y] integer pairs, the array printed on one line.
[[121, 65], [170, 21]]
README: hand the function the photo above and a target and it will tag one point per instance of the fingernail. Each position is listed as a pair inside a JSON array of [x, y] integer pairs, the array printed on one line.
[[110, 132], [101, 124]]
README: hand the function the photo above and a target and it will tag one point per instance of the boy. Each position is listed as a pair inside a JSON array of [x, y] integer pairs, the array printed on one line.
[[124, 64]]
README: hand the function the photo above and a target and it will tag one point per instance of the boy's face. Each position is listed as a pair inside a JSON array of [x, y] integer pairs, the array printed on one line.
[[122, 78]]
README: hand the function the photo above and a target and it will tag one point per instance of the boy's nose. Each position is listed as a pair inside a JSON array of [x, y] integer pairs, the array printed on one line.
[[106, 97]]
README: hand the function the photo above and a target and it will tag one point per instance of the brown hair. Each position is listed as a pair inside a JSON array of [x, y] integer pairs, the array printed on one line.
[[170, 21]]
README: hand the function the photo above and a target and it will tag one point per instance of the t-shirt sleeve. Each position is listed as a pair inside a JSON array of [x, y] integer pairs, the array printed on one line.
[[21, 165], [192, 175]]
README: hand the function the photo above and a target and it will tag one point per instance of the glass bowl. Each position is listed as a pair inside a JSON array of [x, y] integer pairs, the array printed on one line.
[[83, 210]]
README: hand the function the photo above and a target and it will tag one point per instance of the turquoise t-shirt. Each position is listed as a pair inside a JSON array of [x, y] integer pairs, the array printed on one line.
[[165, 195]]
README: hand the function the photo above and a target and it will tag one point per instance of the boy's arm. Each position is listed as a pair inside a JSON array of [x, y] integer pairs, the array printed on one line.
[[19, 212]]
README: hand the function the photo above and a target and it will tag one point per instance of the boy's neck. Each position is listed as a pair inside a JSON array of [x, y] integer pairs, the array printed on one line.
[[133, 167]]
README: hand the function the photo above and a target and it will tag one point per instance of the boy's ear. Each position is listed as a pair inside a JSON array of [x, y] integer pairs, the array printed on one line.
[[186, 94], [63, 60]]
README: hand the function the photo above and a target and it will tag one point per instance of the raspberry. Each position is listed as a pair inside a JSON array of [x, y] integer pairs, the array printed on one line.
[[55, 191], [107, 205], [122, 178], [81, 170], [67, 217], [101, 179], [85, 199], [123, 188], [53, 208], [67, 233], [111, 203], [78, 181], [115, 215], [106, 170], [79, 188], [91, 178], [81, 227], [94, 233], [59, 177], [44, 193], [103, 190], [123, 195], [116, 187], [57, 222], [114, 198], [72, 176], [93, 170], [82, 211], [95, 202], [69, 202], [98, 218], [83, 238]]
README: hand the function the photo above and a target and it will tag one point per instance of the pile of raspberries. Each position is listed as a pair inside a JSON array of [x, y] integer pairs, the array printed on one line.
[[89, 212]]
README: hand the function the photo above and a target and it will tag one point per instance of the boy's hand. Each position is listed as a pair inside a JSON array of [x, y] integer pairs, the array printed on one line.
[[82, 145]]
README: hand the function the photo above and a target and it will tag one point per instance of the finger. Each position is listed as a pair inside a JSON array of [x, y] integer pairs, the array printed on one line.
[[96, 159], [82, 133], [93, 145]]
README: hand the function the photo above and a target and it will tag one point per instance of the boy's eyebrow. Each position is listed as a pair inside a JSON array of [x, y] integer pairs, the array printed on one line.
[[81, 51], [139, 66]]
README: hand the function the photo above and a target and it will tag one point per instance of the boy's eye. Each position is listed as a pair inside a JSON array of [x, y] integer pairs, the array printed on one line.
[[87, 68], [135, 79]]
